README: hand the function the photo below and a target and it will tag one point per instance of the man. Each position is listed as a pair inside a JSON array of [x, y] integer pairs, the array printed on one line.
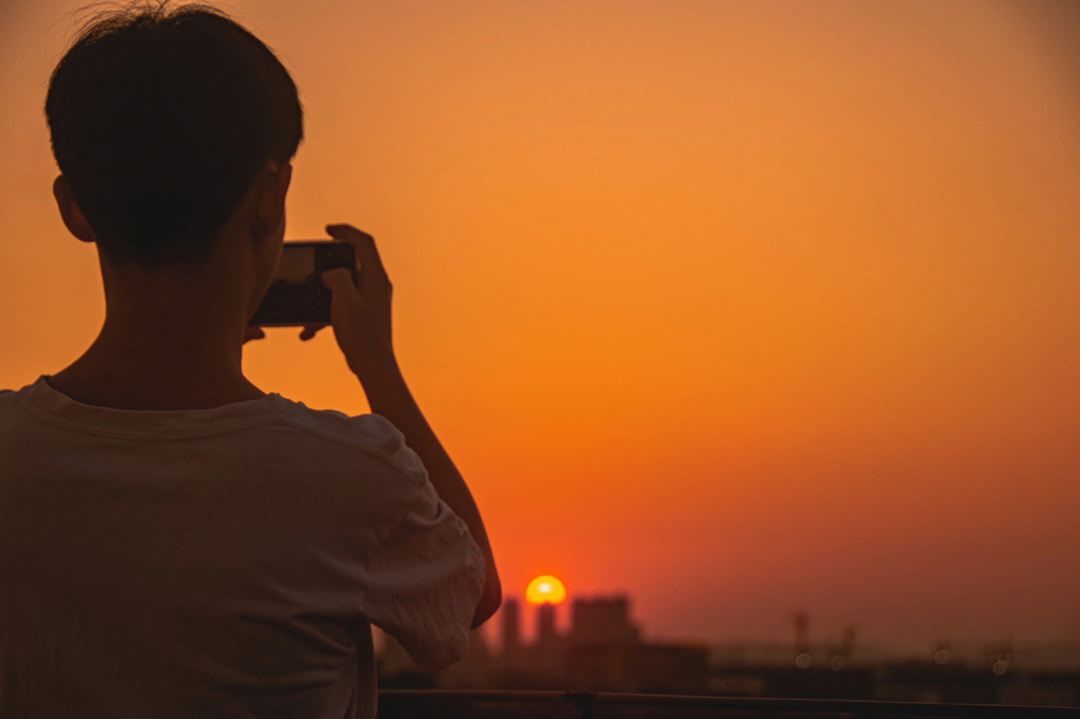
[[173, 540]]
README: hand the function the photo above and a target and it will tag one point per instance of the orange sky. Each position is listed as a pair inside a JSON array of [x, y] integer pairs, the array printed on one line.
[[741, 308]]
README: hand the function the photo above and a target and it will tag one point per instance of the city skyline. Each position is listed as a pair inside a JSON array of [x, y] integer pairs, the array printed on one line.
[[786, 637], [601, 648]]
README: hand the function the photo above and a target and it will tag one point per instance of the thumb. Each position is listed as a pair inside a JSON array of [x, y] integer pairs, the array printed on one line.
[[337, 279]]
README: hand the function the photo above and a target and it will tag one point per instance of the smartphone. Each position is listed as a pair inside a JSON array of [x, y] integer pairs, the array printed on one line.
[[297, 295]]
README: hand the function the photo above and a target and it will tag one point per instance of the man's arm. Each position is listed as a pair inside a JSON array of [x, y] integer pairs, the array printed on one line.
[[389, 397], [360, 316]]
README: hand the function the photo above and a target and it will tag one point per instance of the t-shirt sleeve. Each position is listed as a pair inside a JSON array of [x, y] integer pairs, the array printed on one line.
[[425, 581]]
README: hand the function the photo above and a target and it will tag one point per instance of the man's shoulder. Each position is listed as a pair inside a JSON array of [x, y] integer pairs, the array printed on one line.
[[268, 429], [365, 431], [9, 399], [369, 434]]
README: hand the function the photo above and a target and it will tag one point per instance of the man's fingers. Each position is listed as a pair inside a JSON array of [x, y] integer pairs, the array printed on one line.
[[367, 255], [342, 231], [336, 278], [309, 331], [253, 332]]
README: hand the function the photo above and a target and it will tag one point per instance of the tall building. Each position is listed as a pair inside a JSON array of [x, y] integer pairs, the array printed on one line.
[[604, 646], [511, 625], [545, 633], [602, 620]]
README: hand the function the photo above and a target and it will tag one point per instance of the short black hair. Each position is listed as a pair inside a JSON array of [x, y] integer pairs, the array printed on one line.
[[160, 121]]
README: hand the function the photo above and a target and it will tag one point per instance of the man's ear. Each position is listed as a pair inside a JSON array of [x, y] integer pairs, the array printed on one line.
[[70, 212], [270, 204], [284, 179]]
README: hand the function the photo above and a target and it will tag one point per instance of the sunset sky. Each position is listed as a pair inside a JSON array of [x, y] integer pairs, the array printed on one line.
[[741, 308]]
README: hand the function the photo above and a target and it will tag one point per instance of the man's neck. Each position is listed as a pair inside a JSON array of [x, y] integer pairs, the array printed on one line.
[[126, 368]]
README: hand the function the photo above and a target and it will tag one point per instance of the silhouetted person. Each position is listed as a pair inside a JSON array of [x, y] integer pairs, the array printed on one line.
[[173, 540]]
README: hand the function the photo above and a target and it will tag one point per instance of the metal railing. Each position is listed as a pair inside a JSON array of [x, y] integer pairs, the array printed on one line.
[[410, 703]]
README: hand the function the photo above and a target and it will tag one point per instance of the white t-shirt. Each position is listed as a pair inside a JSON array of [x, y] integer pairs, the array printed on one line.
[[219, 562]]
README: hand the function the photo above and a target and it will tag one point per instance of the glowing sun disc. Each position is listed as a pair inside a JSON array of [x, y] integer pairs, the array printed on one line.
[[545, 590]]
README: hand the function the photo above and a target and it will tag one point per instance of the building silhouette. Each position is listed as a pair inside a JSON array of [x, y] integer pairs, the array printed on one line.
[[602, 651]]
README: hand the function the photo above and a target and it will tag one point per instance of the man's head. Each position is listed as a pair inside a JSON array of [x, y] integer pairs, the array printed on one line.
[[162, 124]]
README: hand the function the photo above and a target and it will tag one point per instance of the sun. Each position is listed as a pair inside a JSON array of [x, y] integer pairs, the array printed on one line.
[[545, 590]]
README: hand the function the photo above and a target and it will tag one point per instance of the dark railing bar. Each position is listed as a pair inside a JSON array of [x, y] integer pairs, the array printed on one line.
[[585, 702], [838, 706]]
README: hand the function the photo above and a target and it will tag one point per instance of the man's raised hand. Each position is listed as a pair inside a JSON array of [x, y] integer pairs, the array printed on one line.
[[360, 313]]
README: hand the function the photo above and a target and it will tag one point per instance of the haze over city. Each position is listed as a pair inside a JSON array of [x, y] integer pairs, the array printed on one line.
[[741, 309]]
